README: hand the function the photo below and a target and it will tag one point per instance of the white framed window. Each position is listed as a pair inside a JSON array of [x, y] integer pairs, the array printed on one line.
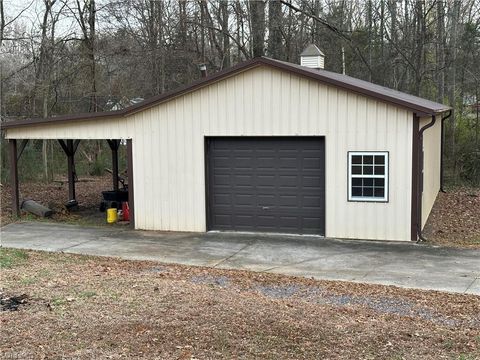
[[368, 176]]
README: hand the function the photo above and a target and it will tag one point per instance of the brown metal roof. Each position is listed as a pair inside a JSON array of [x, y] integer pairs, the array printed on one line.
[[416, 104]]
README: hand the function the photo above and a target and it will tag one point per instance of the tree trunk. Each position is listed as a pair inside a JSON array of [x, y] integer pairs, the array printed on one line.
[[419, 45], [44, 73], [440, 51], [370, 35], [2, 22], [226, 38], [202, 30], [257, 15], [91, 52], [274, 29], [455, 13]]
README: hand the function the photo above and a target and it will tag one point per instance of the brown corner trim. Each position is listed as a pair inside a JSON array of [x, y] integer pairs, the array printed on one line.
[[420, 177], [415, 178]]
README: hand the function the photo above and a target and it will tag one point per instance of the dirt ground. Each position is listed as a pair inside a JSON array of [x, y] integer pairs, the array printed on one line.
[[55, 195], [454, 221], [72, 306]]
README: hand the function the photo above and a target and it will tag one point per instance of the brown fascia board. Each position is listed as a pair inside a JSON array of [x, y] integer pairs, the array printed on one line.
[[308, 73], [60, 119]]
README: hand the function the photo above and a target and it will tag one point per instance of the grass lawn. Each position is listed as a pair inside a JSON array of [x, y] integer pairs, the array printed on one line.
[[73, 306]]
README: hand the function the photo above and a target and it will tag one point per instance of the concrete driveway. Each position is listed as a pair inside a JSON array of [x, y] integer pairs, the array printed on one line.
[[389, 263]]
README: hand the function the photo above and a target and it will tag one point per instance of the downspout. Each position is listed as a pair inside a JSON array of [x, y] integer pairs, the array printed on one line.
[[442, 145], [420, 178]]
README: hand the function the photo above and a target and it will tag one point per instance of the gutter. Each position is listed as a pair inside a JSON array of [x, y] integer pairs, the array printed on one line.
[[420, 236], [420, 178], [442, 145]]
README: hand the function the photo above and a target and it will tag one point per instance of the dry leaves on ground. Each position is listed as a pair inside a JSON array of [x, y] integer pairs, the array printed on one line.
[[455, 219], [87, 307], [55, 195]]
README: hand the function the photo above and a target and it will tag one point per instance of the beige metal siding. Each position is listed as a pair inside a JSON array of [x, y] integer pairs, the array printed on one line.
[[431, 165], [168, 147]]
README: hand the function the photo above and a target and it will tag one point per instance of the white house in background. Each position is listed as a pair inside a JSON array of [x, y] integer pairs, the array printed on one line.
[[271, 146], [114, 105]]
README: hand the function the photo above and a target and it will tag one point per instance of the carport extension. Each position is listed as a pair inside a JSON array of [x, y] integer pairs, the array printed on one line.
[[69, 147]]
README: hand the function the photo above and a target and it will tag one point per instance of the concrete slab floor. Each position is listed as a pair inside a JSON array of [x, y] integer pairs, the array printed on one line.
[[390, 263]]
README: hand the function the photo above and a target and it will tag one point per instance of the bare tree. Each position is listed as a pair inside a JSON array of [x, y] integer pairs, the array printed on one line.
[[257, 15], [85, 15], [45, 68], [275, 29], [224, 19], [147, 47]]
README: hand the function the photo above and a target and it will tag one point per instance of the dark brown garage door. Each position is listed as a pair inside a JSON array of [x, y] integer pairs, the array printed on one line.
[[267, 184]]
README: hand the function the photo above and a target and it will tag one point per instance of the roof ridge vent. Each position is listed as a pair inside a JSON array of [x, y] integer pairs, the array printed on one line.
[[312, 57]]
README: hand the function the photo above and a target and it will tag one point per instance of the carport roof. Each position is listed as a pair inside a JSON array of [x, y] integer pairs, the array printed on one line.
[[418, 105]]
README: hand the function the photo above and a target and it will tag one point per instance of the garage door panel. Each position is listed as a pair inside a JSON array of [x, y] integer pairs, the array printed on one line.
[[222, 199], [264, 180], [243, 179], [289, 221], [312, 181], [241, 162], [311, 223], [266, 221], [312, 201], [275, 184], [267, 163], [288, 180], [288, 200], [244, 199], [288, 162], [265, 189], [223, 220], [244, 219], [312, 163], [266, 200], [221, 179]]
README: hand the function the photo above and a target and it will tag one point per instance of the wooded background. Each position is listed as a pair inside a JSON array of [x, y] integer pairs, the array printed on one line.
[[70, 56]]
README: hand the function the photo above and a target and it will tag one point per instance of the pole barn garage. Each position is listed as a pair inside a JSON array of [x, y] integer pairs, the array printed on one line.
[[270, 146]]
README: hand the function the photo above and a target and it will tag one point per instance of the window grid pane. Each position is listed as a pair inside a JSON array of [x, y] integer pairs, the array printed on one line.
[[367, 176]]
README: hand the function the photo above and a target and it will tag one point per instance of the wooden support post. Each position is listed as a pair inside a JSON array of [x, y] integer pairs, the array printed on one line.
[[70, 147], [131, 198], [75, 146], [14, 177], [114, 145], [71, 170], [115, 169], [23, 144]]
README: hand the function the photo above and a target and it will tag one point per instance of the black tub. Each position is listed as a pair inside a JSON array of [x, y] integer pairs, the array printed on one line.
[[118, 196]]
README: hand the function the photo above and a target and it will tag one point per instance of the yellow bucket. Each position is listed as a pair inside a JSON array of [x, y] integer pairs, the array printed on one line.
[[111, 215]]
